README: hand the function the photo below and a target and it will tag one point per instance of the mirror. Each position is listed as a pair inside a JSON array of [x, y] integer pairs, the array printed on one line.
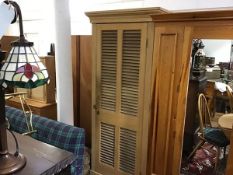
[[211, 71]]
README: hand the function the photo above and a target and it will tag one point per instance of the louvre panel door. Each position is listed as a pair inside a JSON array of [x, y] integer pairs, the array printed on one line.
[[108, 70], [120, 69], [127, 151], [107, 144], [130, 71]]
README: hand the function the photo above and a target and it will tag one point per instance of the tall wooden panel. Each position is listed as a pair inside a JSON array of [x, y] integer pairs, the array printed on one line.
[[168, 72], [81, 59], [85, 86], [76, 77]]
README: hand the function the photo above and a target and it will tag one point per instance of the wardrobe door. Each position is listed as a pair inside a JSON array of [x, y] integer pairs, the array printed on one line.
[[119, 78], [171, 71]]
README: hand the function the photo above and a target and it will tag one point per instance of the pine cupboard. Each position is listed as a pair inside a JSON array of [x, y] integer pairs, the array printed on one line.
[[141, 64], [122, 59]]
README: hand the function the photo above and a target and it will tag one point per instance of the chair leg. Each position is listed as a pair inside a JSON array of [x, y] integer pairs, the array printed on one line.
[[224, 151], [217, 157], [200, 143]]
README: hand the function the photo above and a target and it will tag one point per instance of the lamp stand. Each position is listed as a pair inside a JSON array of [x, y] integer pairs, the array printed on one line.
[[9, 163]]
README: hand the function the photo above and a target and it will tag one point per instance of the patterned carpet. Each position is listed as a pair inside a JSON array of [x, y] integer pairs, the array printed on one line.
[[203, 162]]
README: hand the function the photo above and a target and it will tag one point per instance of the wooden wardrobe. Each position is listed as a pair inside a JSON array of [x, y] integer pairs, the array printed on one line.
[[141, 65], [121, 89]]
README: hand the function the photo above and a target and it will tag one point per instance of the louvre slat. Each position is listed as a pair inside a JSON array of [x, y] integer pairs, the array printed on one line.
[[130, 70], [106, 89], [127, 133], [127, 166], [107, 146], [109, 58], [126, 143], [109, 77], [108, 133], [108, 97], [130, 108], [109, 44], [107, 108], [132, 48], [106, 86], [126, 163], [127, 101], [128, 111], [130, 90], [107, 104], [130, 61], [130, 77], [107, 81], [132, 105], [107, 71], [109, 63], [130, 84], [127, 150], [129, 96], [106, 157], [108, 94], [131, 66]]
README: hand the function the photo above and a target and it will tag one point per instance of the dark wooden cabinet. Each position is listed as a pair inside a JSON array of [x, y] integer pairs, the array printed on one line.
[[81, 57]]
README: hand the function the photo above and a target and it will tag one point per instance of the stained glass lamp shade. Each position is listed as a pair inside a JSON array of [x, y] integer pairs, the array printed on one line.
[[23, 67]]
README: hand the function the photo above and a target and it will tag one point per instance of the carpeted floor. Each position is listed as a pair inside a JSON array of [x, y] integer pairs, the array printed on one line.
[[203, 162]]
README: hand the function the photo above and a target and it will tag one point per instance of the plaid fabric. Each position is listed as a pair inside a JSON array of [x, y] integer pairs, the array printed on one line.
[[55, 133]]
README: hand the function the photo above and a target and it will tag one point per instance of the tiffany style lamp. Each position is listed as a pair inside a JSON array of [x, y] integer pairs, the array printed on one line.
[[23, 69]]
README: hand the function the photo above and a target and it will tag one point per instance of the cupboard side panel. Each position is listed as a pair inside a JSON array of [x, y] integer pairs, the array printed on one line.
[[168, 68]]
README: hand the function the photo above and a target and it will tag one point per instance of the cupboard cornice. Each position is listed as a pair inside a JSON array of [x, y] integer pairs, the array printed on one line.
[[208, 15], [125, 15]]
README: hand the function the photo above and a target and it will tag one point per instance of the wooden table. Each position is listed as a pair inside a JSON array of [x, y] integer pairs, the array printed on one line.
[[41, 158], [226, 122], [48, 110]]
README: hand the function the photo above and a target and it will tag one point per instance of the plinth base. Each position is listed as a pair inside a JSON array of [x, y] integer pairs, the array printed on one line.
[[10, 163]]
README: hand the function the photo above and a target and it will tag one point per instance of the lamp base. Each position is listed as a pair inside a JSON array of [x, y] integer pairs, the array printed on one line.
[[10, 163]]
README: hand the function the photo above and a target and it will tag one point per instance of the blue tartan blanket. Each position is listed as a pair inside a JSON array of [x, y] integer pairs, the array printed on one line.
[[55, 133]]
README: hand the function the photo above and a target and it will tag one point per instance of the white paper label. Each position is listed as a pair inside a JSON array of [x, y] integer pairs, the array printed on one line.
[[7, 14]]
